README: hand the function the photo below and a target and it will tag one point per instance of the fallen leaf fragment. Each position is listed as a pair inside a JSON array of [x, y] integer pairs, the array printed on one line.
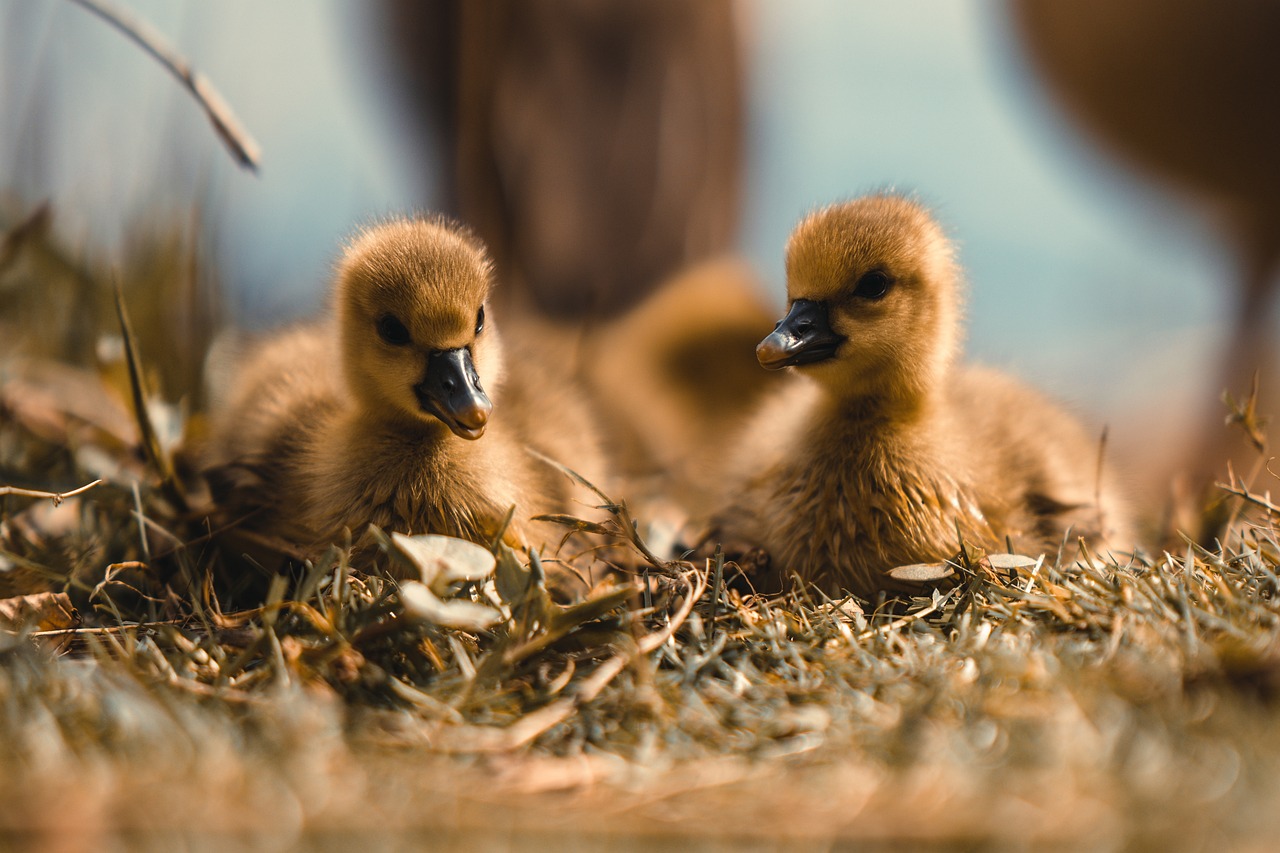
[[443, 560], [1010, 562], [922, 572], [42, 611], [421, 603]]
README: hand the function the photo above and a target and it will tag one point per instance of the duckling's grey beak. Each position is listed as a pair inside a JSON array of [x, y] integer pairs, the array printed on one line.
[[804, 336], [451, 391]]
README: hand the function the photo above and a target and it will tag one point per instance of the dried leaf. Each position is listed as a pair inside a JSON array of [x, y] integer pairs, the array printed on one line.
[[421, 603], [43, 611], [442, 560], [922, 572], [599, 602], [1011, 562], [512, 579]]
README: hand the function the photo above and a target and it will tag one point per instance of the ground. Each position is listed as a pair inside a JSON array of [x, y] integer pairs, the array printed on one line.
[[1072, 699]]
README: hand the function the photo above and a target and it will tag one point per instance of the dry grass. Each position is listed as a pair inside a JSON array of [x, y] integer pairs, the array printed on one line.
[[1057, 701]]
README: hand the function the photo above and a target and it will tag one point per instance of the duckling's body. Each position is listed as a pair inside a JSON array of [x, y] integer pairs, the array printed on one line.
[[382, 414], [884, 453]]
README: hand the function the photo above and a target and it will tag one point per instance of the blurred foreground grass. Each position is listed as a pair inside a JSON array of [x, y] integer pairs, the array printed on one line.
[[1051, 701]]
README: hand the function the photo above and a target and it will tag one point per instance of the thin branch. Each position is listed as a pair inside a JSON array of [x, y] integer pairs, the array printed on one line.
[[151, 445], [244, 149], [1241, 491], [717, 587], [56, 497], [102, 631]]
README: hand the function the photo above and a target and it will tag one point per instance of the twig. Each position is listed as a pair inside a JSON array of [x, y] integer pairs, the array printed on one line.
[[717, 588], [650, 642], [244, 149], [905, 620], [56, 497], [484, 739], [1245, 414], [530, 726], [151, 445], [625, 525], [103, 631], [1242, 492]]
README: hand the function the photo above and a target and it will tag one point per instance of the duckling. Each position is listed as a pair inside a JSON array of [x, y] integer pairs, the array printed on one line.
[[411, 422], [885, 451]]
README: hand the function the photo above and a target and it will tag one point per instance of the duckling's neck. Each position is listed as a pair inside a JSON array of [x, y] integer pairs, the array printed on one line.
[[405, 474], [899, 408]]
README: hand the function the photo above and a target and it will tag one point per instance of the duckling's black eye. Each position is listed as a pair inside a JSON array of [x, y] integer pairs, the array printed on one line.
[[873, 285], [391, 330], [480, 320]]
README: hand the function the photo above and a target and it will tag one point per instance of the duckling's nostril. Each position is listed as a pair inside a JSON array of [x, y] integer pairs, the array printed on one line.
[[804, 326]]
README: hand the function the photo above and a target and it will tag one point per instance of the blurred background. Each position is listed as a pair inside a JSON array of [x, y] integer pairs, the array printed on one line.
[[1086, 279]]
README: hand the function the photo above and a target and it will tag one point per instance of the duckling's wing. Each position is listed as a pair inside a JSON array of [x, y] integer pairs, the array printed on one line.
[[275, 396], [1039, 458]]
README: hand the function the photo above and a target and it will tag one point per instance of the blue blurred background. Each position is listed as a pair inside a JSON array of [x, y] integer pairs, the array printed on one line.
[[1082, 279]]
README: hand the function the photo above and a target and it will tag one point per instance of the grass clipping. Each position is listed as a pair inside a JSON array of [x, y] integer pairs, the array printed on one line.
[[1055, 700]]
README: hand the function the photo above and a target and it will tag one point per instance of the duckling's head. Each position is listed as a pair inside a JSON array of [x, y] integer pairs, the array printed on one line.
[[872, 289], [415, 341]]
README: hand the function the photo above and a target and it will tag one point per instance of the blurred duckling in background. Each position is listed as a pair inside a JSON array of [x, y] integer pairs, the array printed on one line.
[[674, 376], [668, 380], [386, 413], [890, 451]]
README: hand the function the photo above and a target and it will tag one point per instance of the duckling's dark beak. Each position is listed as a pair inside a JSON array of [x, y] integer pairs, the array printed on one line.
[[451, 391], [804, 336]]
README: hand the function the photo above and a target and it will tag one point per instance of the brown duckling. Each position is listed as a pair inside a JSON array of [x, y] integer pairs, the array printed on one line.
[[886, 450], [399, 410], [674, 375]]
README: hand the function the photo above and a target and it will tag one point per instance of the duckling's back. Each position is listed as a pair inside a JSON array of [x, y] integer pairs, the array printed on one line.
[[269, 398], [1037, 462]]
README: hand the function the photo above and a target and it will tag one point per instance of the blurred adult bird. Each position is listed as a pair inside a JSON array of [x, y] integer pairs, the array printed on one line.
[[1186, 93]]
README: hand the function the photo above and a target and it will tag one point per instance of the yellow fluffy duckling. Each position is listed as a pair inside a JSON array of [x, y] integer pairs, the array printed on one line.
[[891, 451], [398, 411]]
